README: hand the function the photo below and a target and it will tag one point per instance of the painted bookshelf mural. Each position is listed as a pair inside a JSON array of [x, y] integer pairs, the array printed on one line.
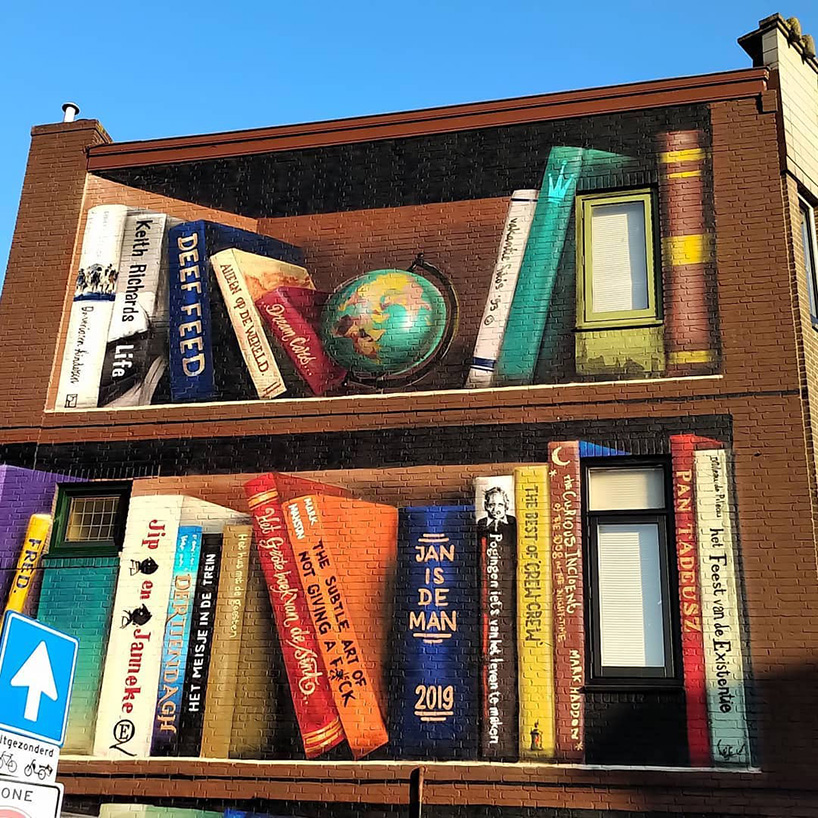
[[301, 618], [602, 270]]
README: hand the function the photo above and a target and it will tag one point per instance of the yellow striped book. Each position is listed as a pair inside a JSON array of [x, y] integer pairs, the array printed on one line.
[[535, 644]]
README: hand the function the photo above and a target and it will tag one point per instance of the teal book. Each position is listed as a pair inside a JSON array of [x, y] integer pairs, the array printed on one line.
[[175, 646], [535, 285]]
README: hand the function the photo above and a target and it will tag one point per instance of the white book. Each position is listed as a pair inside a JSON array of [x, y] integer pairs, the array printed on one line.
[[723, 643], [503, 284], [93, 306], [248, 326], [493, 498], [136, 354], [133, 659]]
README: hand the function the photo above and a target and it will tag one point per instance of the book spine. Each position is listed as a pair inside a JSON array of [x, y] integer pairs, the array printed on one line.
[[501, 289], [255, 349], [314, 705], [435, 702], [134, 341], [128, 697], [682, 449], [257, 719], [33, 545], [177, 639], [92, 308], [189, 324], [535, 644], [532, 298], [497, 546], [220, 699], [723, 641], [199, 650], [687, 253], [349, 680], [300, 342], [569, 625]]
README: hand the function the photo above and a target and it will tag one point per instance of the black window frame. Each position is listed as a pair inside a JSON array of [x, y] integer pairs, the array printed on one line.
[[66, 492], [599, 676]]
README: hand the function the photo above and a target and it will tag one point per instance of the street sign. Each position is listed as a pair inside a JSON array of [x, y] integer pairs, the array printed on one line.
[[21, 799], [36, 676], [27, 759]]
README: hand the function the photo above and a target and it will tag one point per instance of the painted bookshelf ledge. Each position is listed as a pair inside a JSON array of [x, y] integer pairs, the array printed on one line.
[[740, 792], [383, 407]]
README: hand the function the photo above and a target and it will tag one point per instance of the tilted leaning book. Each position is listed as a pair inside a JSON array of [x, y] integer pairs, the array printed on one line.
[[535, 631], [315, 710], [92, 308], [205, 359], [496, 530], [520, 349], [434, 689], [39, 525], [501, 289], [255, 348], [136, 354], [220, 699], [132, 664], [199, 649], [316, 525], [177, 637], [293, 313], [569, 614]]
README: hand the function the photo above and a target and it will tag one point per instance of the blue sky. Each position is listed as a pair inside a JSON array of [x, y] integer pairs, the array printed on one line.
[[155, 69]]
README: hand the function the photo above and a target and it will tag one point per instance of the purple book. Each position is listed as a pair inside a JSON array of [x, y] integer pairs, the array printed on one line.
[[23, 492]]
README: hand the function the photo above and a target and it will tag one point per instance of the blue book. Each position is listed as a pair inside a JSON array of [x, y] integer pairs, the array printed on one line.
[[175, 645], [205, 360], [435, 693]]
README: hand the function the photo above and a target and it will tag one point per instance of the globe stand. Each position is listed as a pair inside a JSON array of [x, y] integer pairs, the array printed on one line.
[[399, 380]]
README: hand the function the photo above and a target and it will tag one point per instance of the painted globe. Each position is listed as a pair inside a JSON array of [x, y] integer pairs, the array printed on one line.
[[384, 323]]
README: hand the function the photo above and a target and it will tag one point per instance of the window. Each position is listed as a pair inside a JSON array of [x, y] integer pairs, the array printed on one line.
[[616, 284], [808, 243], [90, 519], [628, 567]]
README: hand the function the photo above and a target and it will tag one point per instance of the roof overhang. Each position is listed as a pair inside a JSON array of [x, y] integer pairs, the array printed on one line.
[[704, 88]]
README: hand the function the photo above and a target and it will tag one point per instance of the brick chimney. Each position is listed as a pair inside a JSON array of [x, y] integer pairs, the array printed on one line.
[[782, 46]]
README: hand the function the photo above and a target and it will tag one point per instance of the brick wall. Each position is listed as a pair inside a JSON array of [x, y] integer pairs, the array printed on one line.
[[405, 449]]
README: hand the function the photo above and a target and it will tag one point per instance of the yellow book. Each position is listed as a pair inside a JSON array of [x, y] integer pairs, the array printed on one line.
[[535, 643], [29, 559], [220, 699], [254, 719]]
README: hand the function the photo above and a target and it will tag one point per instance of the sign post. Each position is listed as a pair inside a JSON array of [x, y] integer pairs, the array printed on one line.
[[37, 665]]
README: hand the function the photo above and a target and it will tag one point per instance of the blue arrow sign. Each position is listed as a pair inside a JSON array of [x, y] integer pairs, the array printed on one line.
[[36, 676]]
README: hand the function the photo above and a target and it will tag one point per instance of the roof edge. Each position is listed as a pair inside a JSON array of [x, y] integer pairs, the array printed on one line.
[[702, 88]]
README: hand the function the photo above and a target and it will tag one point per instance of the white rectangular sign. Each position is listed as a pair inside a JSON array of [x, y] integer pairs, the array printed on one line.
[[27, 758], [21, 799]]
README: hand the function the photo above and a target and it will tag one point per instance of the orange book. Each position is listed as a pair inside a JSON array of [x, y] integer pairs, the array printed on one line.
[[346, 552]]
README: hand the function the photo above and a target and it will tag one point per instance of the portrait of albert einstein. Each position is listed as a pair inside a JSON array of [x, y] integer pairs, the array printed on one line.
[[497, 520]]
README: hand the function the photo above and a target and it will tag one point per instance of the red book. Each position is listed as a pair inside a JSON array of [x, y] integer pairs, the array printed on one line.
[[292, 314], [682, 449], [569, 625], [687, 256], [315, 709]]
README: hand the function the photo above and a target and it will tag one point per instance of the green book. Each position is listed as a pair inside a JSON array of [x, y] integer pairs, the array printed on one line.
[[535, 285]]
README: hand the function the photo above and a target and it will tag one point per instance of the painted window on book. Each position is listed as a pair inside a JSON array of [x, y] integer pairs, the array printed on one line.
[[808, 244], [629, 589], [90, 519], [615, 263]]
